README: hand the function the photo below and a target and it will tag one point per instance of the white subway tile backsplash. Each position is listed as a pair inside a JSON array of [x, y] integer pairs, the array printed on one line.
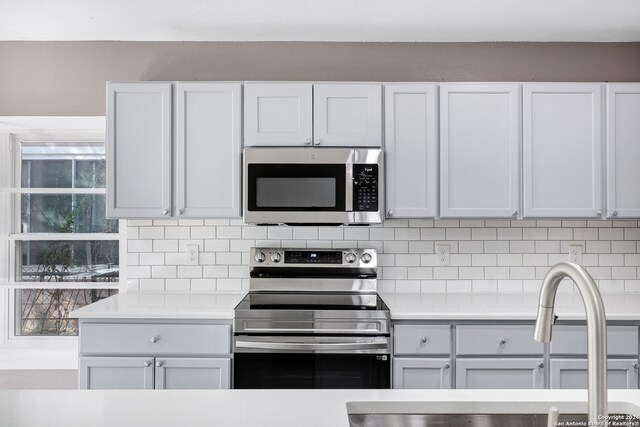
[[151, 232], [396, 247], [496, 247], [405, 234], [166, 245], [506, 256], [309, 233], [164, 271]]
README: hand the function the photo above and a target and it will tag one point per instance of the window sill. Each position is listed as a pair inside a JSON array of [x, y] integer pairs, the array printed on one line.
[[30, 358]]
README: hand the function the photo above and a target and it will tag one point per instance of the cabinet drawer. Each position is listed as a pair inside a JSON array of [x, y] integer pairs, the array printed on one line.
[[621, 340], [154, 339], [422, 339], [496, 340]]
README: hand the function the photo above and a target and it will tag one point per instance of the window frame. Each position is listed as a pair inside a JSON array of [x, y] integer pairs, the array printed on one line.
[[41, 352]]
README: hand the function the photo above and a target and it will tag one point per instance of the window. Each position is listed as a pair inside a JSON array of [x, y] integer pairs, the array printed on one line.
[[64, 253]]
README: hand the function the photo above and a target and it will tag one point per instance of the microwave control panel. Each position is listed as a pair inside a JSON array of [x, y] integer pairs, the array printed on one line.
[[365, 187]]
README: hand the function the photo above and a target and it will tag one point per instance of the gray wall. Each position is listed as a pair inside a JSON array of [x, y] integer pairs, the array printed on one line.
[[67, 78]]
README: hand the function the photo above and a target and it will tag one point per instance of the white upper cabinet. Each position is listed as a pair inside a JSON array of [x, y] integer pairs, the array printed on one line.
[[205, 156], [411, 147], [623, 150], [278, 114], [138, 150], [208, 148], [479, 150], [305, 114], [347, 115], [562, 150]]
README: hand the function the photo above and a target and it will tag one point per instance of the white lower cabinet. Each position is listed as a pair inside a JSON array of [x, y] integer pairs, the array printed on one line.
[[500, 373], [188, 373], [160, 373], [123, 373], [138, 355], [418, 373], [572, 373]]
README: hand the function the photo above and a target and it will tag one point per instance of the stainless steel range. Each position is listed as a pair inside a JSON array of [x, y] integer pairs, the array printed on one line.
[[312, 319]]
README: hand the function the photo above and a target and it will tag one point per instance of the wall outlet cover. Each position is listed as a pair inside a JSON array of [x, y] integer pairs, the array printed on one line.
[[575, 254], [192, 255], [442, 254]]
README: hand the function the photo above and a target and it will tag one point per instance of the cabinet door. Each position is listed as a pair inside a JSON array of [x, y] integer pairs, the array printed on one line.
[[347, 115], [479, 149], [138, 150], [562, 150], [623, 150], [208, 159], [572, 373], [183, 373], [500, 373], [411, 150], [278, 114], [418, 373], [110, 373]]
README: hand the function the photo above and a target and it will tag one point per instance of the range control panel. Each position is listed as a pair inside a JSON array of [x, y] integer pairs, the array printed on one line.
[[341, 258], [365, 187], [313, 257]]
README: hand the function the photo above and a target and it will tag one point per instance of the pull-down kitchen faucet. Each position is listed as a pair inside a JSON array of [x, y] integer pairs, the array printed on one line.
[[596, 330]]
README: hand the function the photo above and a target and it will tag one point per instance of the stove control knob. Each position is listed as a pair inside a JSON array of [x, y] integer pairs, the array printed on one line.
[[350, 257], [260, 257], [366, 258], [276, 257]]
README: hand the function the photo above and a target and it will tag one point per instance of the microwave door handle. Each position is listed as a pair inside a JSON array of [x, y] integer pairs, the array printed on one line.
[[348, 204]]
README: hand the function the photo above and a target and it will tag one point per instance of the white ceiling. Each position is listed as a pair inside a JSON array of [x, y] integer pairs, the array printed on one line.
[[321, 20]]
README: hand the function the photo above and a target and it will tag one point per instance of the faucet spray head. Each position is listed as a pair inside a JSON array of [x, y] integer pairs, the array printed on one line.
[[544, 322]]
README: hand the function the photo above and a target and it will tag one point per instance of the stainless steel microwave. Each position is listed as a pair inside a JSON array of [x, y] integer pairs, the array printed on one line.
[[313, 186]]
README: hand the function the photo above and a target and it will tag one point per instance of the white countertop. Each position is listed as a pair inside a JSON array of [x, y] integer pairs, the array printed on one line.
[[163, 305], [403, 306], [273, 408], [501, 306]]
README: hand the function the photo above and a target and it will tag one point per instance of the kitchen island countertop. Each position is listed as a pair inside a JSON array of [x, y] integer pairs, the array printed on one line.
[[270, 408]]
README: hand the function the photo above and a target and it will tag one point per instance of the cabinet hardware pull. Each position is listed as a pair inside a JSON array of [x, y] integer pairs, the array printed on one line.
[[390, 213], [159, 364], [165, 212], [614, 213], [446, 366], [541, 365], [635, 366], [423, 339], [503, 341], [154, 339], [598, 213], [515, 213], [317, 142], [307, 141], [147, 364]]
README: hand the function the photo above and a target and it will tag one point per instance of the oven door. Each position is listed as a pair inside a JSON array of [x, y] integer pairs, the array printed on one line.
[[312, 362]]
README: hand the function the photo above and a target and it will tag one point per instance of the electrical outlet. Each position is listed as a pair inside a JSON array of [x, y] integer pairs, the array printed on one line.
[[442, 252], [191, 254], [575, 254]]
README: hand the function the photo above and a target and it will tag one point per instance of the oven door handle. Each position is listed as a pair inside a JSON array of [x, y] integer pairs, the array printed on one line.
[[288, 346]]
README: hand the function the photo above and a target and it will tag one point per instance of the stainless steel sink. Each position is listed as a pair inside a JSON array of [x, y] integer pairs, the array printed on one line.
[[452, 413], [472, 420]]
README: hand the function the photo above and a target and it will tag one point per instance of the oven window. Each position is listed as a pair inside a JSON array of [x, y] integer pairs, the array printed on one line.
[[296, 192], [296, 187], [311, 370]]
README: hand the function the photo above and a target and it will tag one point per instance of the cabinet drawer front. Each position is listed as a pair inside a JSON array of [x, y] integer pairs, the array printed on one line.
[[422, 339], [621, 340], [154, 339], [496, 340]]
